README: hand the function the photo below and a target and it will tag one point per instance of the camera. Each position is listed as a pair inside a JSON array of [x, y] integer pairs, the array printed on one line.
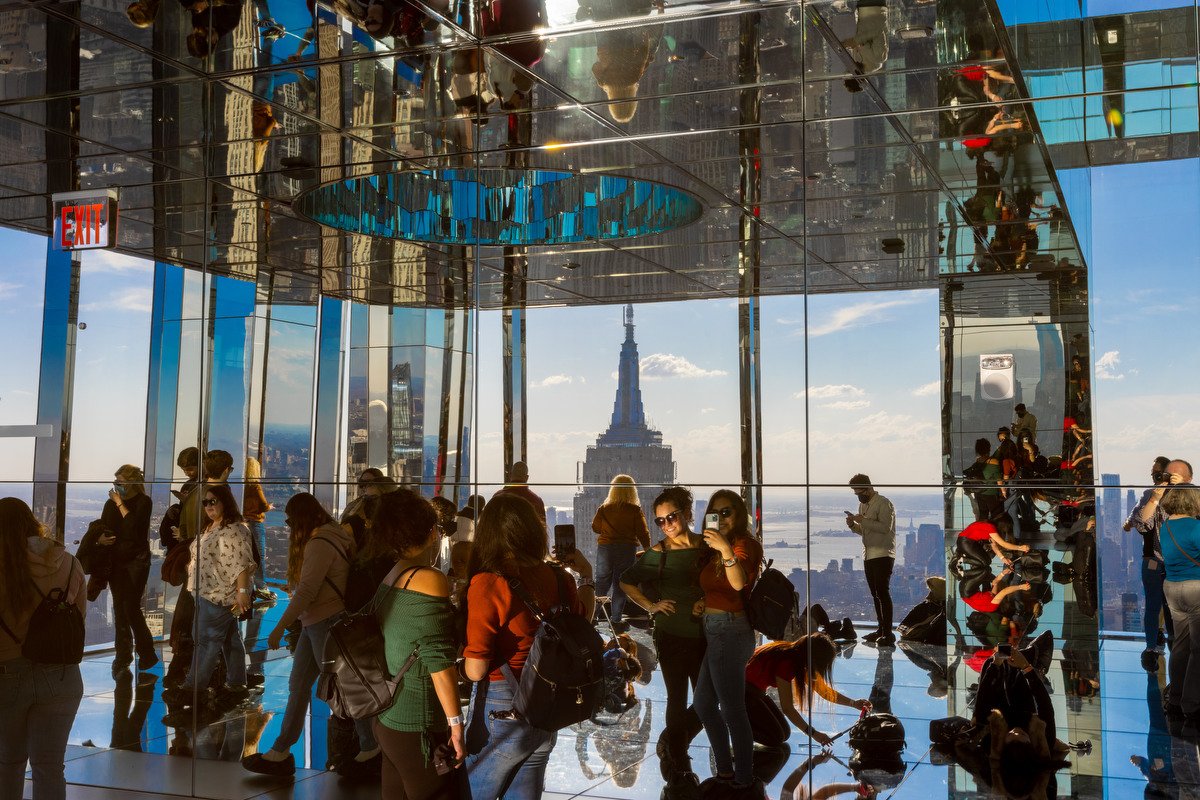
[[443, 759], [1159, 477]]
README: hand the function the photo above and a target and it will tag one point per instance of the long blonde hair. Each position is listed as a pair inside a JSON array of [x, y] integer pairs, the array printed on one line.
[[133, 476], [623, 489], [253, 470]]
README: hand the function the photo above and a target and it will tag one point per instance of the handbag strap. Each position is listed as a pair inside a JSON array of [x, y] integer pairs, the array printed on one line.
[[1167, 527]]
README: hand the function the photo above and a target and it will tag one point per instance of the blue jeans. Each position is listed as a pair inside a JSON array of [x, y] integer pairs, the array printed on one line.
[[508, 757], [306, 668], [721, 694], [216, 634], [37, 708], [1156, 602], [611, 562], [258, 532]]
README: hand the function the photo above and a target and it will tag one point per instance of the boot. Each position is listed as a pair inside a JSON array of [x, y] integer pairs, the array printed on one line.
[[1040, 652]]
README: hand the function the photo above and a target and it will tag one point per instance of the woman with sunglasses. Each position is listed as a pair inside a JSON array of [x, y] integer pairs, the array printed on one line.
[[319, 553], [728, 564], [218, 576], [670, 570]]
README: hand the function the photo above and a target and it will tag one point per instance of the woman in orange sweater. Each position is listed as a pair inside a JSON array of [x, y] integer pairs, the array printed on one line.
[[729, 565], [620, 527]]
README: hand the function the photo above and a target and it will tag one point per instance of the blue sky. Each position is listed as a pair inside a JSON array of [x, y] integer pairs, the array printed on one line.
[[872, 362]]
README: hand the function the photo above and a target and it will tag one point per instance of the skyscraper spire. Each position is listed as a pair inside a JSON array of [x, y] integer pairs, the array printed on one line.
[[628, 424]]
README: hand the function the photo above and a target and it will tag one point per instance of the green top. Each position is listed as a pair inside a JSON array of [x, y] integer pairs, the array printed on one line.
[[409, 619], [992, 473], [680, 582]]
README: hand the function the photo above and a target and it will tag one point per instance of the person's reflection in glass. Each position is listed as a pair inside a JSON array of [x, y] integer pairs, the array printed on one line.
[[885, 679], [868, 47], [622, 55], [1155, 765], [130, 706], [142, 13], [798, 785], [623, 744]]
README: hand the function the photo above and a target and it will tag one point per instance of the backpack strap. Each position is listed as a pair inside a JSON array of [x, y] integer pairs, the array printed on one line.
[[9, 631], [345, 558]]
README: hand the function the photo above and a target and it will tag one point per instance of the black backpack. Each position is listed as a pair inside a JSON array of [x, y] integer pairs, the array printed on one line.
[[925, 624], [355, 681], [55, 634], [878, 734], [771, 603], [563, 679]]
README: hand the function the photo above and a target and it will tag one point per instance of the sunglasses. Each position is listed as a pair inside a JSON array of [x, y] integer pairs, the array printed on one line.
[[723, 513], [661, 521], [210, 501]]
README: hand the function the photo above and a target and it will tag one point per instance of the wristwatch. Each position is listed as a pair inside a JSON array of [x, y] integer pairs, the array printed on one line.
[[730, 562]]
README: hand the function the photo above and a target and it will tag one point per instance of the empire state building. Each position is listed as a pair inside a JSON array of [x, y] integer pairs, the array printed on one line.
[[629, 446]]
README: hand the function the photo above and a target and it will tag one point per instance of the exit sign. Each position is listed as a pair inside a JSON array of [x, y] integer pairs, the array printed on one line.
[[85, 220]]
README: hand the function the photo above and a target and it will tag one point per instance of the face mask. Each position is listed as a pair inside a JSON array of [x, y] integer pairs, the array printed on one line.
[[1020, 414]]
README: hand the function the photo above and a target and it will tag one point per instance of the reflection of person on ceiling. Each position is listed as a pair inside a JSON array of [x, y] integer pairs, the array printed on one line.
[[869, 44], [622, 55]]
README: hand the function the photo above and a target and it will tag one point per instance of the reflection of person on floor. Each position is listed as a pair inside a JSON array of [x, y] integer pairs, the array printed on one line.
[[885, 679], [1156, 764], [130, 706], [797, 670], [623, 745], [797, 786]]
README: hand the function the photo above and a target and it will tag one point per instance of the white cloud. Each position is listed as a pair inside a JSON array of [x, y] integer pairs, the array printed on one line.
[[551, 380], [856, 315], [658, 366], [8, 290], [1107, 365], [831, 391], [848, 405], [708, 410], [110, 261], [880, 427], [925, 390], [139, 300]]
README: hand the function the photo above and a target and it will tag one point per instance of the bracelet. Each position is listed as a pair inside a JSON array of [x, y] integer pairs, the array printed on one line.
[[243, 591], [455, 720], [730, 562]]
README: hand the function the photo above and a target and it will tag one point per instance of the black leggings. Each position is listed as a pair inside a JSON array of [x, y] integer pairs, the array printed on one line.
[[407, 775], [767, 721], [879, 578], [679, 659]]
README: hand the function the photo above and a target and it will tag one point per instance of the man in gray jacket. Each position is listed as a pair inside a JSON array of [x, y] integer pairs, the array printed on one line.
[[875, 522]]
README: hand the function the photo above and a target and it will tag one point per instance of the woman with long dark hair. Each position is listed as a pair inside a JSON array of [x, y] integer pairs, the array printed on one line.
[[219, 577], [38, 701], [413, 607], [798, 670], [508, 756], [319, 558], [126, 516], [671, 569], [729, 564], [620, 527]]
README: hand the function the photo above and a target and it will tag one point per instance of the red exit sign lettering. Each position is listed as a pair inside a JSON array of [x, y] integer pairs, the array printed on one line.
[[85, 220]]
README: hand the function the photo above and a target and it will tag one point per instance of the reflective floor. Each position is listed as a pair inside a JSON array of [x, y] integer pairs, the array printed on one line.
[[124, 738]]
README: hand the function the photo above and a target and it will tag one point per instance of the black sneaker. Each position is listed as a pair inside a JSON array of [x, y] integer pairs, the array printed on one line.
[[885, 640], [872, 636], [256, 763], [355, 770]]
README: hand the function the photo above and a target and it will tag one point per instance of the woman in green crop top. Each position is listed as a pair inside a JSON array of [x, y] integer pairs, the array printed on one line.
[[670, 568], [413, 608]]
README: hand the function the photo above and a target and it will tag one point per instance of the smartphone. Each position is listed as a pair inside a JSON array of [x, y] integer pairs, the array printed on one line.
[[564, 541], [712, 522], [1004, 651]]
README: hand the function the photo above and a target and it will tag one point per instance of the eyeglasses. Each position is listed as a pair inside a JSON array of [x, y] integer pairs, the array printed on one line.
[[669, 518], [210, 501], [724, 513]]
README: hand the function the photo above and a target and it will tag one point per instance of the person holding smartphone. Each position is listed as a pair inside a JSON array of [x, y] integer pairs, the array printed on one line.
[[875, 522], [727, 565], [620, 528], [671, 570]]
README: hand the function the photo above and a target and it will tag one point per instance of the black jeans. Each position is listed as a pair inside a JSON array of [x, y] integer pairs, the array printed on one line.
[[407, 775], [770, 726], [879, 578], [679, 658], [127, 583]]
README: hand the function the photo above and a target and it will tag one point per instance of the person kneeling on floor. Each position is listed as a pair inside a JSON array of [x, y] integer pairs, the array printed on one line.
[[798, 670]]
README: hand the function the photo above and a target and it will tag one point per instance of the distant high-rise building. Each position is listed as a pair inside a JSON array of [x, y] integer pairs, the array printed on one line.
[[1131, 617], [1131, 499], [832, 566], [629, 447], [1110, 519], [551, 518], [847, 565]]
